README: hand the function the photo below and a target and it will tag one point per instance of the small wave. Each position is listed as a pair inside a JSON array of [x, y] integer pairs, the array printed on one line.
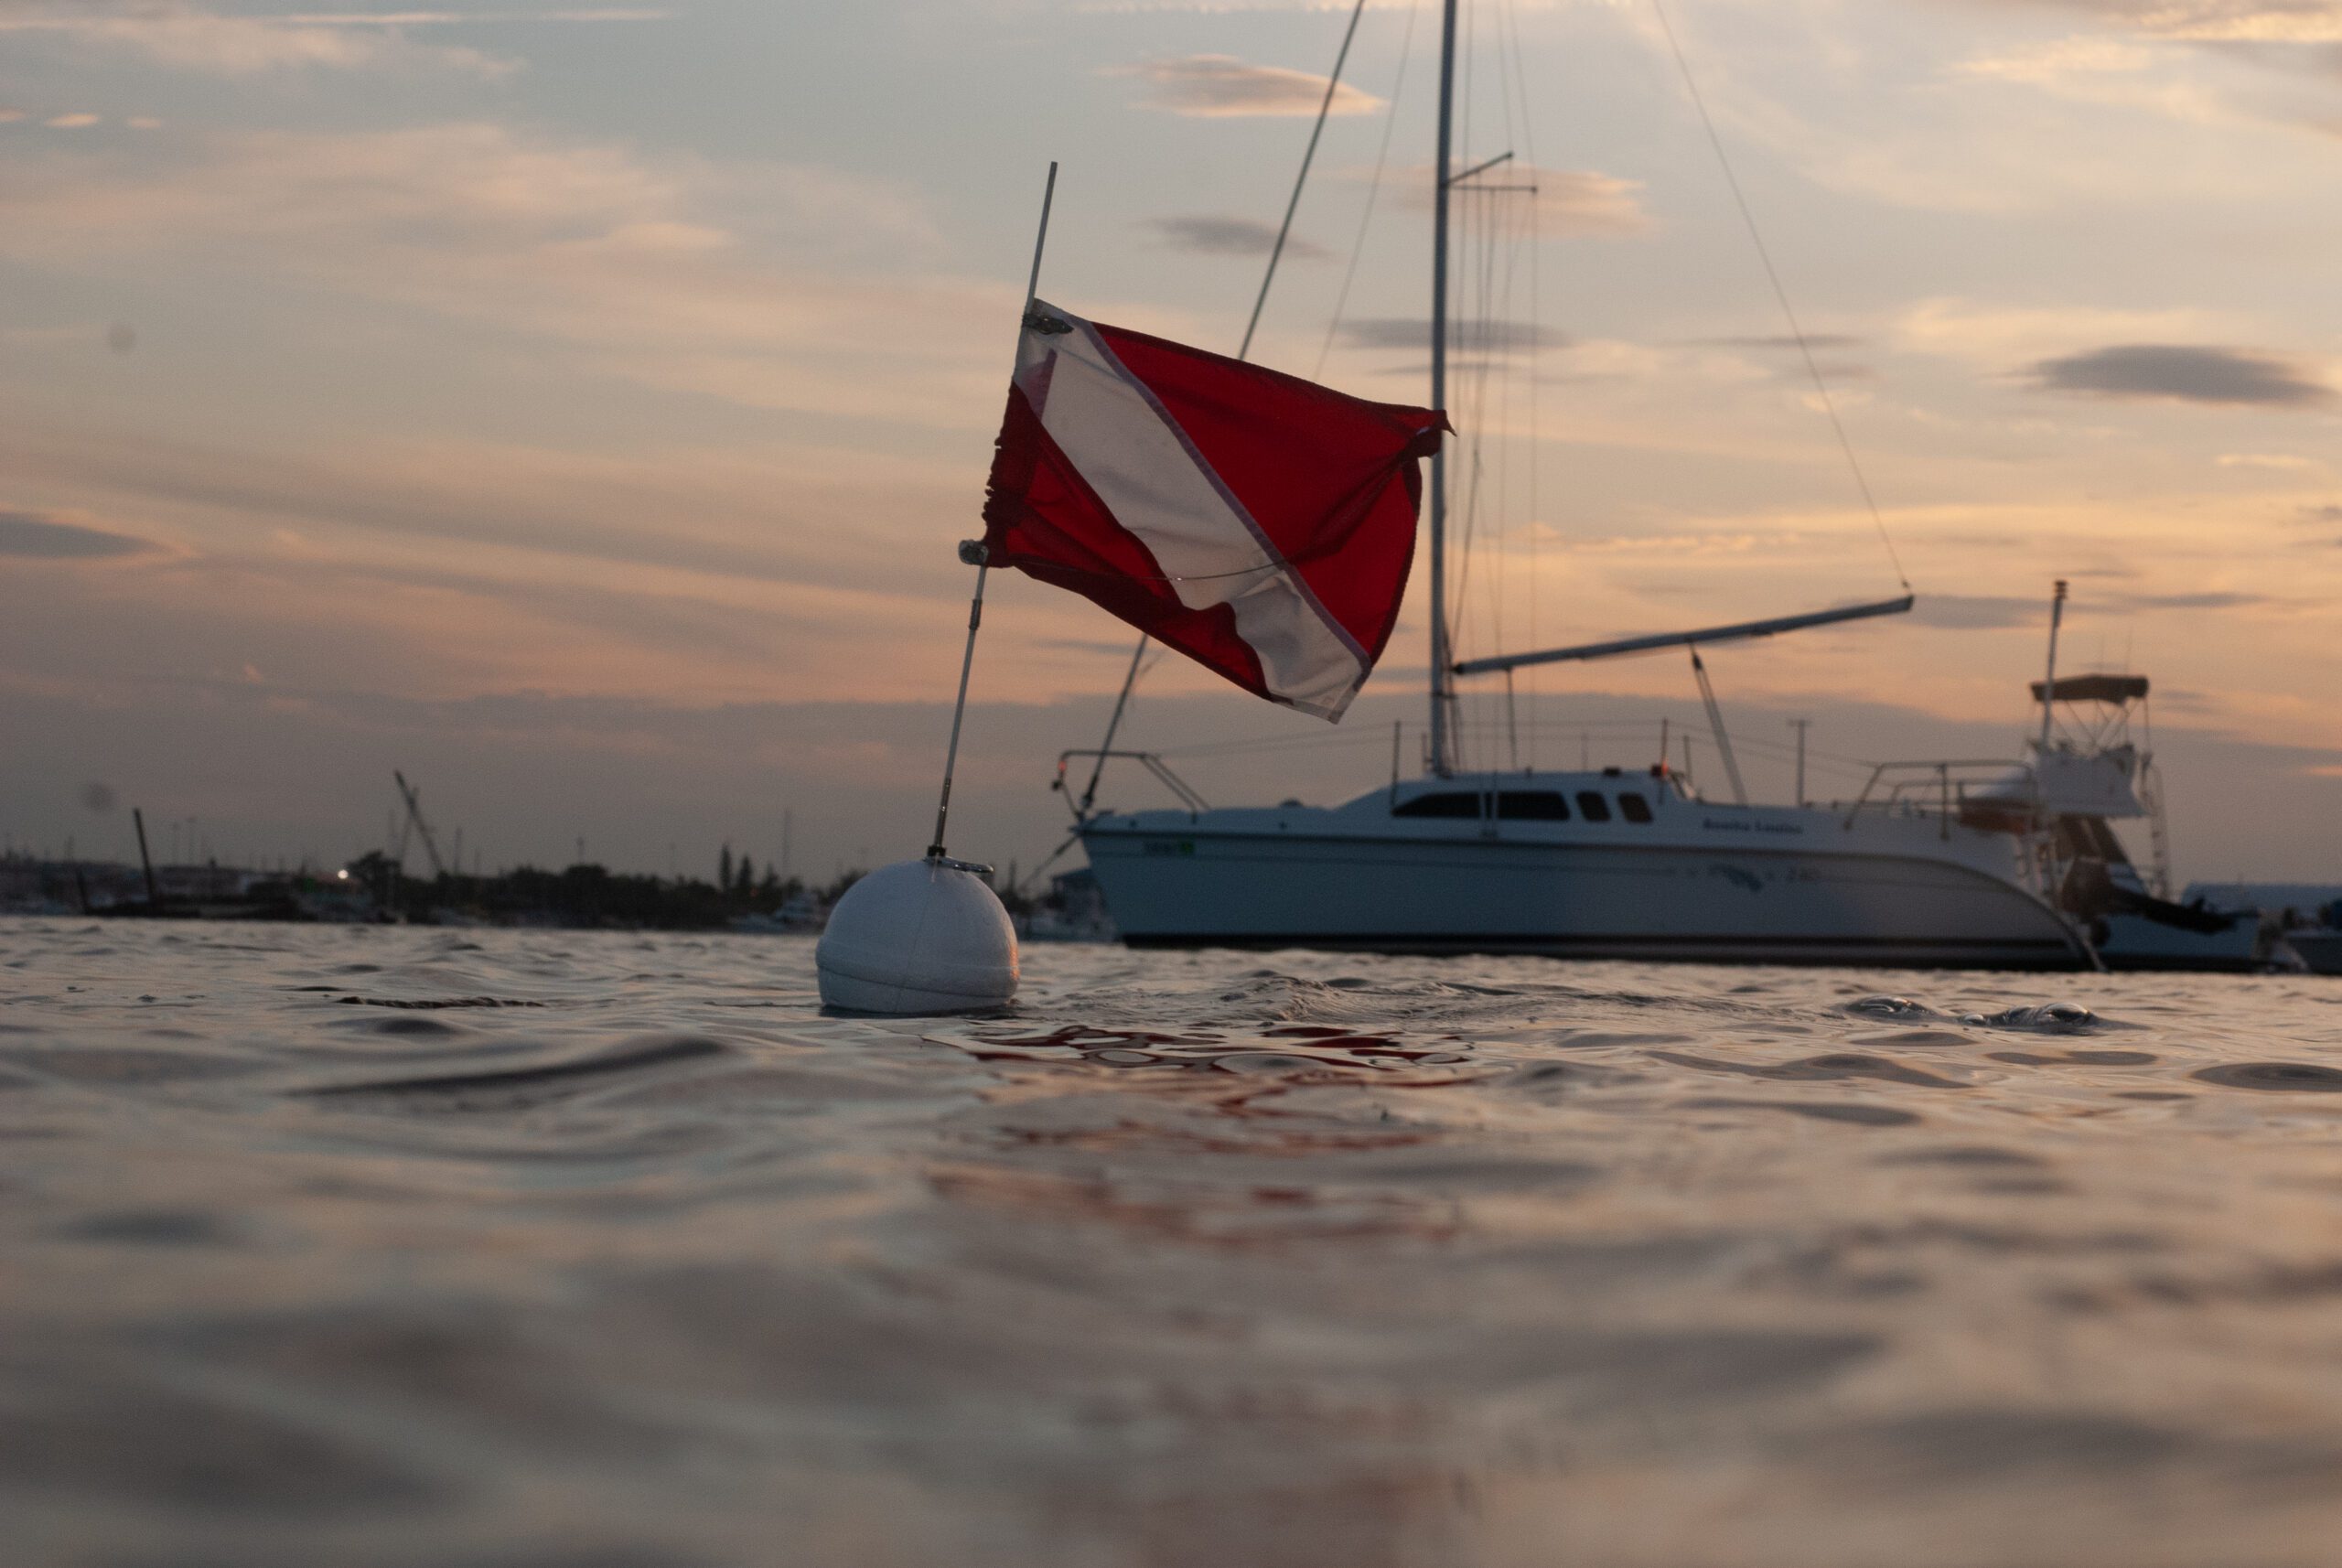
[[1287, 1049], [1342, 1250], [1889, 1007], [1848, 1112], [2043, 1018], [2076, 1059], [1985, 1156], [433, 1002], [1813, 1070], [527, 1080], [2298, 1076]]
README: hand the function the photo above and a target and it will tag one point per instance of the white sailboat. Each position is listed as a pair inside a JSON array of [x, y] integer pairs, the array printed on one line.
[[1602, 862]]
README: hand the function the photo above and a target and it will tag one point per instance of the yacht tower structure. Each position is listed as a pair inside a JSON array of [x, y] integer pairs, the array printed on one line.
[[2088, 772]]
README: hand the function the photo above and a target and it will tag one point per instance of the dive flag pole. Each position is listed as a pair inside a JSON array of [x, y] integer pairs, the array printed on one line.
[[973, 551], [931, 934]]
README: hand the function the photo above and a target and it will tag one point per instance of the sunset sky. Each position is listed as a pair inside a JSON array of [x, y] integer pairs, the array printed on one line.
[[577, 408]]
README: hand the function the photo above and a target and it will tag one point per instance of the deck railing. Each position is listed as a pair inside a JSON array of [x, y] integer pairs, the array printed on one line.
[[1188, 800], [1921, 788]]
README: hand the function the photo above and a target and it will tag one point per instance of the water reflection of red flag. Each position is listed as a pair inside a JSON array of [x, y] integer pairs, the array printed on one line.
[[1259, 523]]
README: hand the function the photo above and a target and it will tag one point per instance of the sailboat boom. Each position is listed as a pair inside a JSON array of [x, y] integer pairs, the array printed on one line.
[[1737, 633]]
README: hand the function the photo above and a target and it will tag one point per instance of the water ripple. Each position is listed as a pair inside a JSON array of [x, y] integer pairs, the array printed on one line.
[[398, 1246]]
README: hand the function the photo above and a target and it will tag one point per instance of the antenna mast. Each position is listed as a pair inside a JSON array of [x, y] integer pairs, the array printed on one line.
[[415, 815], [2049, 686]]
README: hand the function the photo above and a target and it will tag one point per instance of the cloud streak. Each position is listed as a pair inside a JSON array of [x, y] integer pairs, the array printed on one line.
[[33, 536], [188, 38], [1569, 203], [2211, 21], [1467, 336], [1207, 235], [2197, 601], [2183, 373], [1976, 612], [1784, 342], [1224, 87], [640, 268]]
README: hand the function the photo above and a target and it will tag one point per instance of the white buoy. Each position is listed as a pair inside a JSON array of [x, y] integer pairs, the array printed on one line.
[[919, 936]]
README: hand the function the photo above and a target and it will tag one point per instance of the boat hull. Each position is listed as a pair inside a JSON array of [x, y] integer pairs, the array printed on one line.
[[1200, 888], [2320, 952], [2136, 942]]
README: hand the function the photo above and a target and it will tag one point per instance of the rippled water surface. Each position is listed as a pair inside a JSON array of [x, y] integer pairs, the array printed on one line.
[[400, 1247]]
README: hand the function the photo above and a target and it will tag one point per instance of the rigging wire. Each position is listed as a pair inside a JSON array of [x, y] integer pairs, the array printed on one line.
[[1486, 221], [1780, 294], [1333, 85], [1502, 579], [1465, 394], [1490, 239], [1373, 190], [1511, 21], [1535, 566], [1244, 351], [1500, 559], [1325, 740]]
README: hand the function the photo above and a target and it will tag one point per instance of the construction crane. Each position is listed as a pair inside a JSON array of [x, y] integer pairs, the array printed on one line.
[[415, 816]]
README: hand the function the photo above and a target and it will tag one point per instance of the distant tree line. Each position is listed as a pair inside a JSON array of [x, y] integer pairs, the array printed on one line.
[[591, 896]]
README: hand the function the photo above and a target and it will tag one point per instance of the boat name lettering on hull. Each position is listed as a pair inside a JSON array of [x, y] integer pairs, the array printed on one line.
[[1170, 846]]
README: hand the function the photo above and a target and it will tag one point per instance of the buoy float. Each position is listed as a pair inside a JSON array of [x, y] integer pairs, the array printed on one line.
[[919, 936]]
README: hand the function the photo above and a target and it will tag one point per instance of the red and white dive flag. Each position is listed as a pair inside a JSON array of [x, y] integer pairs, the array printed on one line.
[[1259, 523]]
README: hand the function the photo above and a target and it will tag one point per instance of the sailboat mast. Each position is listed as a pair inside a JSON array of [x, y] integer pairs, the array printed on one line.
[[1441, 762]]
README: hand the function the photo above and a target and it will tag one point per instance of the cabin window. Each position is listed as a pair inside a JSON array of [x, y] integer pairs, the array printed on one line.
[[1532, 805], [1593, 807], [1633, 807], [1450, 803]]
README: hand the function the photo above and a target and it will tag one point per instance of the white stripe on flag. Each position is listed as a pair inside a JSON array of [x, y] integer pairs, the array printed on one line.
[[1159, 489]]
